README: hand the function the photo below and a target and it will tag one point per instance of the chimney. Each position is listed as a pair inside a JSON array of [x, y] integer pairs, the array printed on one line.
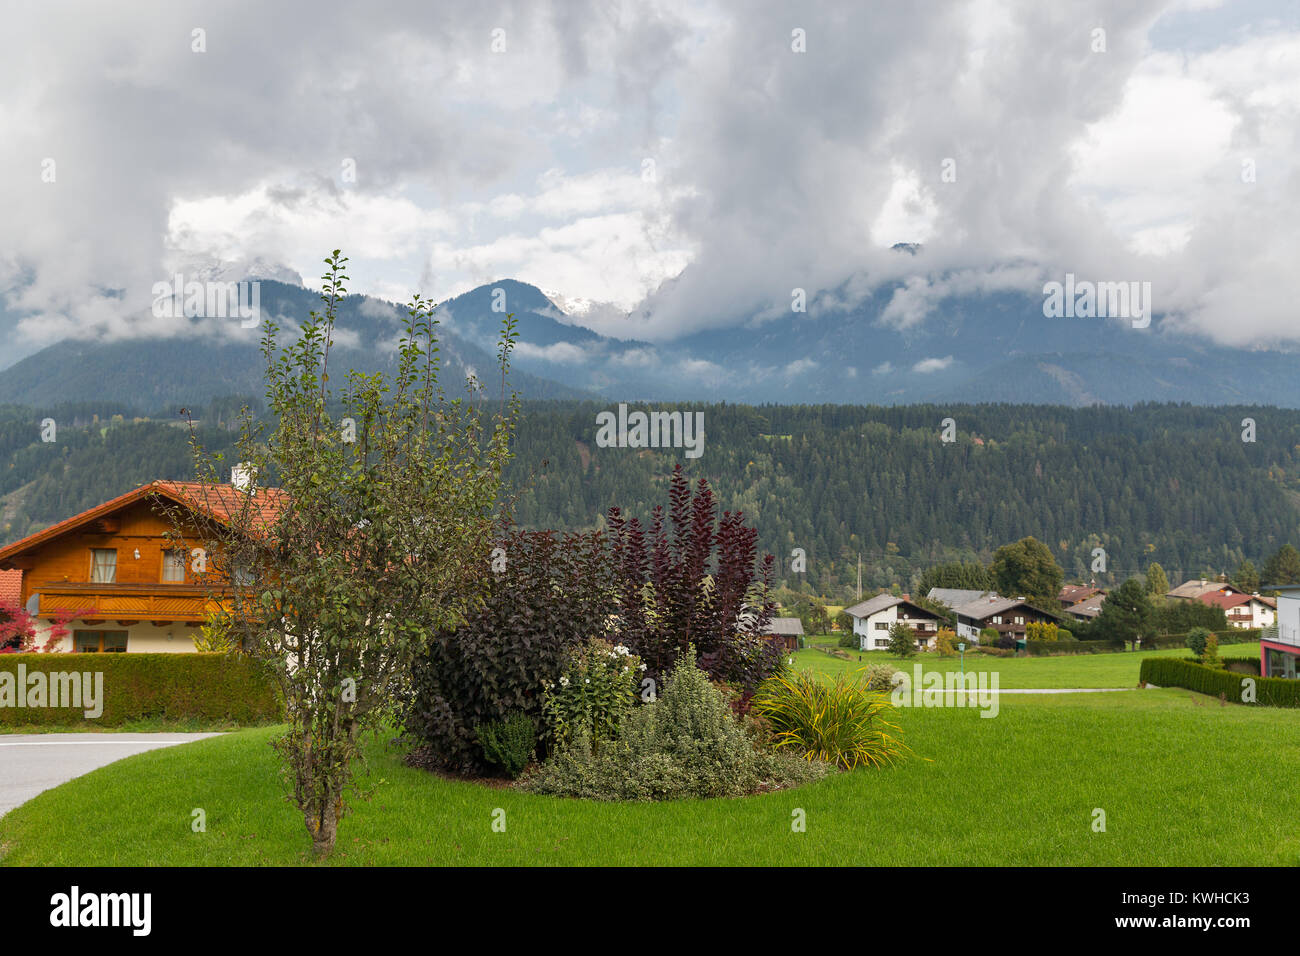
[[241, 476]]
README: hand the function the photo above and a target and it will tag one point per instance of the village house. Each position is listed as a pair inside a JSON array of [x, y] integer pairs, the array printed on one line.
[[110, 578], [873, 617], [956, 597], [1007, 616], [787, 630], [1243, 610]]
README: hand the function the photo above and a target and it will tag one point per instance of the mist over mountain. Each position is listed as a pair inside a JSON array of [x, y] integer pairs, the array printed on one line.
[[975, 347]]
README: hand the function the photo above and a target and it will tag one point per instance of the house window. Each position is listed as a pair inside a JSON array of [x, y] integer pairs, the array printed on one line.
[[103, 565], [1020, 620], [242, 576], [880, 644], [173, 571], [99, 642], [997, 618], [882, 625]]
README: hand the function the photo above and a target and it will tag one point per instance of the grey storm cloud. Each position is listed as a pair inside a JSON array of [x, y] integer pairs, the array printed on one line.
[[777, 163]]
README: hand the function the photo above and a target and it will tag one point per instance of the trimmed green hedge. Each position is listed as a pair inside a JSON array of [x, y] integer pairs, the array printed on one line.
[[1060, 648], [179, 687], [1179, 672]]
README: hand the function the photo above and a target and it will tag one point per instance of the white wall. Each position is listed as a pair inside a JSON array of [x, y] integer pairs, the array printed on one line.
[[1288, 617], [143, 638], [868, 634]]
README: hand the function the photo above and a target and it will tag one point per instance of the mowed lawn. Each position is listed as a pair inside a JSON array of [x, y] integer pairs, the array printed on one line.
[[1077, 670], [1182, 780]]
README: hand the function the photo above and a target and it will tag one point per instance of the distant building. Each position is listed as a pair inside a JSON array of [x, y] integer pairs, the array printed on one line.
[[1075, 593], [1243, 610], [787, 630], [873, 617], [1195, 590], [1087, 609], [1007, 616], [955, 597]]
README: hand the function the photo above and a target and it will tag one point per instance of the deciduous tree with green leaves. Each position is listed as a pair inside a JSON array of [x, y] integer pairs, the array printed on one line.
[[902, 640], [379, 535], [1027, 569]]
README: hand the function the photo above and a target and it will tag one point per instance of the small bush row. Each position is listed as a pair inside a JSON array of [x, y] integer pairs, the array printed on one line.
[[1179, 672]]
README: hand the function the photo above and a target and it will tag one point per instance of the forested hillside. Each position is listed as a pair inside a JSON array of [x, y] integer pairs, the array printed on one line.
[[1166, 483], [1173, 484]]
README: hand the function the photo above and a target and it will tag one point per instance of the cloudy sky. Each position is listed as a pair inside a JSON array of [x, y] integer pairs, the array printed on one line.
[[688, 163]]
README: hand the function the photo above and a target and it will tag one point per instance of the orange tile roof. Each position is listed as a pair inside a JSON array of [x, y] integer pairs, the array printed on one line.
[[220, 501]]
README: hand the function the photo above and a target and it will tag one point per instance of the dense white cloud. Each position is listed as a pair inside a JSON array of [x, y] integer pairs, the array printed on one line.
[[676, 160]]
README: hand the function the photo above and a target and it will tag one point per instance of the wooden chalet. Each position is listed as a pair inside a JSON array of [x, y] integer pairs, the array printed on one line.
[[110, 577]]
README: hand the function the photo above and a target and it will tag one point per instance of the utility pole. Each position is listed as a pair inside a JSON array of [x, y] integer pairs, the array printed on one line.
[[859, 576]]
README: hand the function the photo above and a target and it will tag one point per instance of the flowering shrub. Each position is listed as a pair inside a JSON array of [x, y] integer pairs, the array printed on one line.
[[18, 630], [593, 694]]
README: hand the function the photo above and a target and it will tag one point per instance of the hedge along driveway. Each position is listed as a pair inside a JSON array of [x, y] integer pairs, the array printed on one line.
[[181, 687]]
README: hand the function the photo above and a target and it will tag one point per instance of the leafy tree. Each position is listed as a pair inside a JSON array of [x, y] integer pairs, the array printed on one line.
[[902, 640], [819, 620], [1027, 569], [844, 621], [944, 642], [1127, 613], [1283, 567], [377, 538], [1157, 580], [1179, 617]]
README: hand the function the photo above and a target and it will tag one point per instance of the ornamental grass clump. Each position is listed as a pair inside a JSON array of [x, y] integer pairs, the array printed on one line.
[[687, 743], [840, 722]]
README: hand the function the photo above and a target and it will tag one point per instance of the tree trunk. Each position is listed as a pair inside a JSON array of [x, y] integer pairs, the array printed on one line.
[[325, 829]]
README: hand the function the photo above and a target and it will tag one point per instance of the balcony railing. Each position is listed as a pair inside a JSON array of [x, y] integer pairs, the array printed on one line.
[[1280, 634], [124, 602]]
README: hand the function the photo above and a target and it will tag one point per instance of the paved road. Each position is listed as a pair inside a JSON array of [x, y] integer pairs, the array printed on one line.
[[31, 763]]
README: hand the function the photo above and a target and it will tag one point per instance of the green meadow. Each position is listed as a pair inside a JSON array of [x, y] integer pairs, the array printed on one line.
[[1078, 670], [1175, 779]]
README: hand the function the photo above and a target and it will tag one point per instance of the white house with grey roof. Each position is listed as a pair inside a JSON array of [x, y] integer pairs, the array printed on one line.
[[873, 617]]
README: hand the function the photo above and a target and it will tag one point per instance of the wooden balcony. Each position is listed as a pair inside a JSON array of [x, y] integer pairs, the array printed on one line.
[[125, 603]]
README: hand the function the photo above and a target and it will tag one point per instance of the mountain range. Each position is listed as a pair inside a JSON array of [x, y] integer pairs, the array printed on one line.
[[974, 348]]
